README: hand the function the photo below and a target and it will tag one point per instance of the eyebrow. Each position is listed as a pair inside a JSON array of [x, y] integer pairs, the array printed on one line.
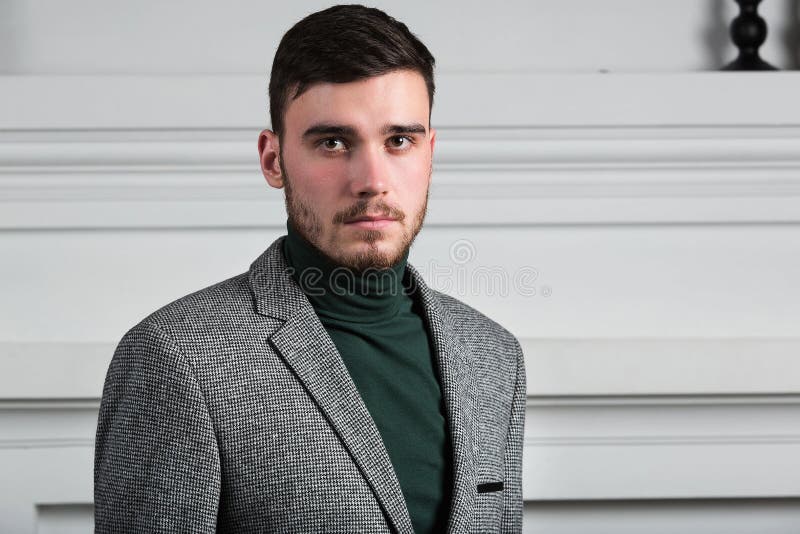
[[329, 129], [415, 128], [349, 131]]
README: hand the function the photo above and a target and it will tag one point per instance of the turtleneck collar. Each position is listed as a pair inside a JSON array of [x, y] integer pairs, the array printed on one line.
[[339, 293]]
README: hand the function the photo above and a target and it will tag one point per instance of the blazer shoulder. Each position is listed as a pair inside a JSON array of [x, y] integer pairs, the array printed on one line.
[[469, 322], [498, 356], [220, 301]]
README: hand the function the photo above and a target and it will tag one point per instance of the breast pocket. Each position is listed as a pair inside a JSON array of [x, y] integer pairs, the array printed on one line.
[[488, 506]]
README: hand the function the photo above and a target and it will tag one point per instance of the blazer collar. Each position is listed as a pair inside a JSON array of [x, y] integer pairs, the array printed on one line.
[[308, 349], [457, 376], [275, 292]]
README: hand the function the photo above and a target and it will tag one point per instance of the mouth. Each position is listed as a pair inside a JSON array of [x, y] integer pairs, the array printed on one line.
[[370, 221]]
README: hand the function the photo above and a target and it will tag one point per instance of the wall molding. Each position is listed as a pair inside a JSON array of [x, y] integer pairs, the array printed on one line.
[[702, 447], [619, 176], [666, 419], [515, 178], [560, 371], [580, 150], [631, 448], [557, 149], [667, 367], [47, 424]]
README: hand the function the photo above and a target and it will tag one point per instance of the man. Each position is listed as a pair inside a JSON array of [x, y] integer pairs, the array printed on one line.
[[328, 389]]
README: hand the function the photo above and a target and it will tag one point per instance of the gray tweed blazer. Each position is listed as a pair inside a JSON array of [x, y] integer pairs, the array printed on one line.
[[230, 410]]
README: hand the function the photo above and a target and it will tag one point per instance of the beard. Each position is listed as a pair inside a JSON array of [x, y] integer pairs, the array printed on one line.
[[308, 224]]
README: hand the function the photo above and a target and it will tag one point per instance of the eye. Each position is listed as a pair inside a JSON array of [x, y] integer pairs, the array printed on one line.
[[401, 142], [332, 144]]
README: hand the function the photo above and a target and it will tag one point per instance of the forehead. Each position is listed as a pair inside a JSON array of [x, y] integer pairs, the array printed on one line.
[[396, 97]]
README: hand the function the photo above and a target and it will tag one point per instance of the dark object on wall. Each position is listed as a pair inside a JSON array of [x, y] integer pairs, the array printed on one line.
[[748, 32]]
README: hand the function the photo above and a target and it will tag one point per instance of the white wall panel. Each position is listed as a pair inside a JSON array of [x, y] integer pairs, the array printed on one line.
[[735, 516], [151, 37], [569, 282], [94, 285], [589, 460]]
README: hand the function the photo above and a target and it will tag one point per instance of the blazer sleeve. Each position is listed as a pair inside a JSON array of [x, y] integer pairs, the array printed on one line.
[[157, 465], [512, 494]]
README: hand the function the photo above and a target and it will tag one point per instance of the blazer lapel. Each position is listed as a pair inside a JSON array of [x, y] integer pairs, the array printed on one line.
[[309, 351], [457, 374]]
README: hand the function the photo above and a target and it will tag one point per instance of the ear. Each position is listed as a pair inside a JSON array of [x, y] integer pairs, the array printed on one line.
[[433, 140], [269, 153]]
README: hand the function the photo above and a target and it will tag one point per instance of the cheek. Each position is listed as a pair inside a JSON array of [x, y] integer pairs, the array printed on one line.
[[318, 178], [415, 173], [413, 187]]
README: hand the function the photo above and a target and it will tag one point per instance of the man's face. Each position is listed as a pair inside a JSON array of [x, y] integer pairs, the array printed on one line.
[[355, 159]]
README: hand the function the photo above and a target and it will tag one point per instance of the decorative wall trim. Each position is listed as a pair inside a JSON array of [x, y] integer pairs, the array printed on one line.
[[575, 449], [606, 419], [513, 177], [622, 440], [562, 371], [131, 153], [640, 448], [42, 443], [46, 424], [652, 367], [559, 149], [52, 372]]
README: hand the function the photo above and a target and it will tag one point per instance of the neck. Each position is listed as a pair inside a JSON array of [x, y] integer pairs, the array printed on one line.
[[341, 293]]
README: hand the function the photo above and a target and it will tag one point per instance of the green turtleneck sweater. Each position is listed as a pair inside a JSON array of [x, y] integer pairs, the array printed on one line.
[[380, 333]]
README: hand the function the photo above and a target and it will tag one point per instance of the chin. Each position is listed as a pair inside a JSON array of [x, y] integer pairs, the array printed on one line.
[[370, 256]]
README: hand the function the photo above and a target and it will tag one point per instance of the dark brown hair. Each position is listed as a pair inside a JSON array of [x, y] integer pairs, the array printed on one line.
[[342, 44]]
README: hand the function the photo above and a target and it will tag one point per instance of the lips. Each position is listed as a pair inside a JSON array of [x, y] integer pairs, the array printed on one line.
[[370, 218], [370, 222]]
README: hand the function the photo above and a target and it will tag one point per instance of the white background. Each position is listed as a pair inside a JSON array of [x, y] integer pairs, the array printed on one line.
[[590, 143]]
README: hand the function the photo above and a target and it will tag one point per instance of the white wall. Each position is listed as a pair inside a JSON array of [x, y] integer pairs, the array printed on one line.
[[202, 37], [654, 211]]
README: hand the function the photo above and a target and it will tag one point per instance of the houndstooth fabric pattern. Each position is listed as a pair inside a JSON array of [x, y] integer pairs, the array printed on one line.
[[230, 410]]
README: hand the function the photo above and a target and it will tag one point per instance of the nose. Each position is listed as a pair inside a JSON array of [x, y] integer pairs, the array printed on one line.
[[369, 173]]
